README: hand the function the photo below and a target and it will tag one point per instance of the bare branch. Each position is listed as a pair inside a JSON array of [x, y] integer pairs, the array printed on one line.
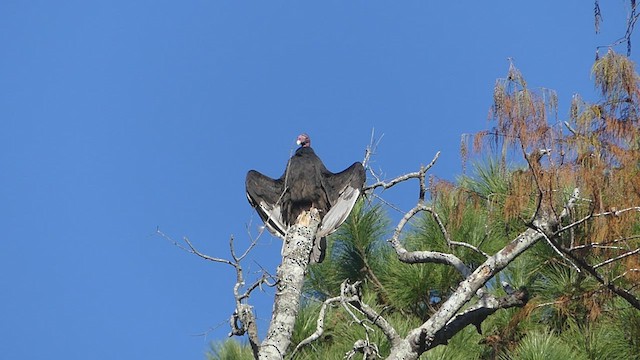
[[414, 257], [371, 148], [609, 261], [443, 229], [630, 298], [477, 313], [405, 219], [399, 179], [193, 250], [242, 321], [423, 338], [351, 291], [253, 243], [319, 325], [623, 274], [385, 202], [380, 322], [626, 38], [405, 177], [450, 242], [350, 295], [368, 350], [604, 243], [557, 250], [263, 280], [207, 257], [591, 216]]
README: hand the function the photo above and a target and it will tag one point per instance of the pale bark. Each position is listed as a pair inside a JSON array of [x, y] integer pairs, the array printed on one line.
[[290, 274], [423, 338], [477, 313]]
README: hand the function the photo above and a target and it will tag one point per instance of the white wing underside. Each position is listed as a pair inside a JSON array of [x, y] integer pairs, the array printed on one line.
[[330, 222], [339, 211], [273, 218]]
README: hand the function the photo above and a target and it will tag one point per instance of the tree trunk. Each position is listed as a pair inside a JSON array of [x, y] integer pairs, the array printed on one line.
[[295, 258]]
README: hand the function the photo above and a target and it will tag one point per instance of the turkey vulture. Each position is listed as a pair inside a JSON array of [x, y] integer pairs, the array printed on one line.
[[306, 183]]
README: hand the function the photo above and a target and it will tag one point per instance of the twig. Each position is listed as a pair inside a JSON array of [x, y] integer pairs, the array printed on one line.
[[371, 148], [192, 249], [630, 298], [609, 261], [571, 129], [253, 243], [450, 242], [263, 280], [590, 216], [414, 257], [319, 325], [601, 244], [405, 177], [553, 246], [207, 257], [390, 205], [350, 297], [623, 274]]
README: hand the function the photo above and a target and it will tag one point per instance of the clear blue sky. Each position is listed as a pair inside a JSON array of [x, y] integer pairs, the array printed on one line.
[[117, 117]]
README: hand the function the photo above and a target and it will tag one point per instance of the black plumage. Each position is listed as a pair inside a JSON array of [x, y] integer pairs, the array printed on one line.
[[306, 183]]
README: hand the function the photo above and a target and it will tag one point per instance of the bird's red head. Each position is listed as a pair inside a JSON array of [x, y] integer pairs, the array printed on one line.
[[303, 140]]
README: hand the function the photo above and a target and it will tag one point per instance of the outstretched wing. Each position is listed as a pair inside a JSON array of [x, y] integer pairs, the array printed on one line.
[[343, 189], [264, 194]]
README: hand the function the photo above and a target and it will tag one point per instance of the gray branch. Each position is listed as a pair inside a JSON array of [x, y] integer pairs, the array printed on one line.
[[430, 333], [243, 320], [619, 257], [445, 233], [477, 313], [319, 324], [350, 296], [405, 177], [415, 257]]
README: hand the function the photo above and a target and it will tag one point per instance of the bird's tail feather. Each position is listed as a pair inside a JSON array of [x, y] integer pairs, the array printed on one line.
[[319, 250]]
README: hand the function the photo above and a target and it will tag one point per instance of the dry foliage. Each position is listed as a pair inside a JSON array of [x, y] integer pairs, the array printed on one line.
[[597, 151]]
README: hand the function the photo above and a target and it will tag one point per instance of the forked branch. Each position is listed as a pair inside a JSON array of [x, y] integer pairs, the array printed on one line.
[[242, 321], [351, 297]]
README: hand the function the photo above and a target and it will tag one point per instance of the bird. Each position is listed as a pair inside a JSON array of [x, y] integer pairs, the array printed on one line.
[[306, 183]]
